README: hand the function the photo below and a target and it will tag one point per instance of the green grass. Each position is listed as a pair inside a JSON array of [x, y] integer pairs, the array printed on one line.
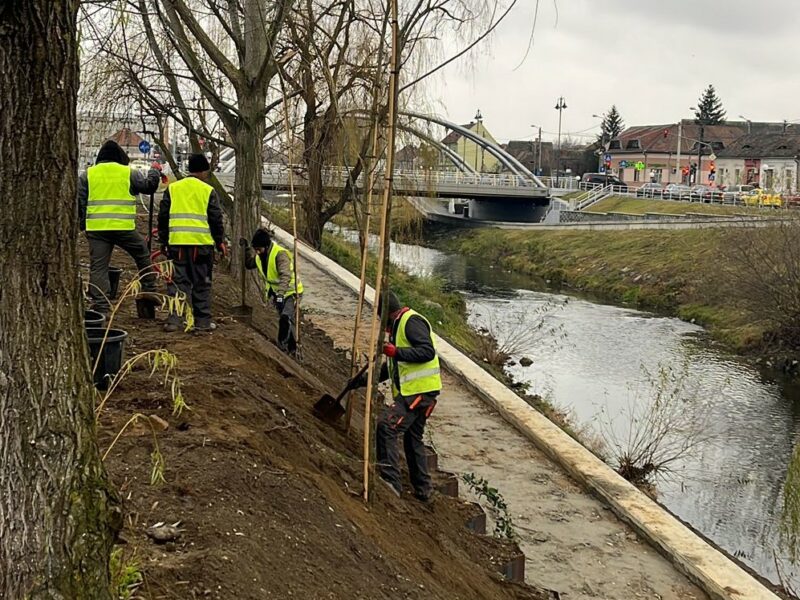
[[669, 272], [641, 206], [446, 311]]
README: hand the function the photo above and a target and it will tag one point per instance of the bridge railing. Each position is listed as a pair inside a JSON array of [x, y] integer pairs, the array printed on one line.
[[417, 179]]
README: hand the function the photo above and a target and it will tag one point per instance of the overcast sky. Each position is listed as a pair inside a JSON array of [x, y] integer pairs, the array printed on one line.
[[652, 58]]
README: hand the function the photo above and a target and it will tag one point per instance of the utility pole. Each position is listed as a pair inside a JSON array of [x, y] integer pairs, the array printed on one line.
[[699, 155], [537, 163], [560, 106], [479, 122], [678, 171]]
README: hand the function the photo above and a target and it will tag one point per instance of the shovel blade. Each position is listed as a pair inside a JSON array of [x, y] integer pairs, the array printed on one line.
[[328, 409]]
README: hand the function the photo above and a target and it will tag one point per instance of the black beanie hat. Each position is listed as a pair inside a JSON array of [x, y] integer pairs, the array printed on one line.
[[261, 238], [394, 303], [111, 151], [198, 163]]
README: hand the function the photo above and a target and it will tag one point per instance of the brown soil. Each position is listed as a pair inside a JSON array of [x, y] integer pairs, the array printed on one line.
[[267, 496]]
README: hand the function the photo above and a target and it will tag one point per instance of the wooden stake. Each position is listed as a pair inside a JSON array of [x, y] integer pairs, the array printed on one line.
[[376, 335], [371, 167], [295, 255]]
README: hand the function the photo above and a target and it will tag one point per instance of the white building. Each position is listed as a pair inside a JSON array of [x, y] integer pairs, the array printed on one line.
[[770, 161]]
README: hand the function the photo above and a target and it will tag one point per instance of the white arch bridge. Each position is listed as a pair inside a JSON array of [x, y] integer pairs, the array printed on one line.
[[515, 195]]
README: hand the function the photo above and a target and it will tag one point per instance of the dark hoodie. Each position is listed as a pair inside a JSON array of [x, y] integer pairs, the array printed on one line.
[[111, 151]]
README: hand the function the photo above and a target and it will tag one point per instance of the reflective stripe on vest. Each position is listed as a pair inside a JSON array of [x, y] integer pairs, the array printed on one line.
[[414, 378], [272, 278], [110, 207], [188, 213]]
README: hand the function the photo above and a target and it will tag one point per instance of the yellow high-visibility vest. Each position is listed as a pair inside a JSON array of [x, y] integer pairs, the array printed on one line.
[[414, 378], [272, 277], [111, 205], [188, 213]]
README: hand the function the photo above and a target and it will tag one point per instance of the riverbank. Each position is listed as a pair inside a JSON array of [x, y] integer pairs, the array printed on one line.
[[678, 273]]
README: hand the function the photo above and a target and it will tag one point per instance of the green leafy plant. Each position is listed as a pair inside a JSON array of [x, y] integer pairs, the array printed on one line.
[[503, 525], [126, 576]]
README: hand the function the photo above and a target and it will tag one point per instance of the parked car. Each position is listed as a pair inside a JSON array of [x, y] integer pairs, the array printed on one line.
[[678, 191], [734, 193], [595, 179], [706, 193], [649, 190], [766, 198]]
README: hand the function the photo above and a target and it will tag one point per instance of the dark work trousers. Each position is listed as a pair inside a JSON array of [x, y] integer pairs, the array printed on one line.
[[101, 245], [286, 325], [191, 274], [406, 418]]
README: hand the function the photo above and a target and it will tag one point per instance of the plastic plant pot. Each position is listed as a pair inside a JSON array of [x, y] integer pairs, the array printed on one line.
[[111, 358]]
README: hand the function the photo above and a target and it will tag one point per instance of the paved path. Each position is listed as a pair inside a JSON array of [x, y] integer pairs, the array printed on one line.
[[572, 542]]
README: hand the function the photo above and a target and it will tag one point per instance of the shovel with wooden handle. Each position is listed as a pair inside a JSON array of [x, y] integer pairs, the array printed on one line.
[[330, 409], [243, 312]]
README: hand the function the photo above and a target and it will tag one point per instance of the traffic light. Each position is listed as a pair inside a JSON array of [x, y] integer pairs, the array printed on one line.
[[712, 169]]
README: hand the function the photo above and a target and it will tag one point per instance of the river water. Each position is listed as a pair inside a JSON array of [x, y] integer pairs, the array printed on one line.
[[593, 360]]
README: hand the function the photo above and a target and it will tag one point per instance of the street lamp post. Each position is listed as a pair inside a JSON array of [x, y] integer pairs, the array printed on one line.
[[560, 106], [538, 161], [749, 124], [479, 121]]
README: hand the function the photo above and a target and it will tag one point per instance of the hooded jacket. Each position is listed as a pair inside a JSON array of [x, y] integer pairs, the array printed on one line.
[[141, 183]]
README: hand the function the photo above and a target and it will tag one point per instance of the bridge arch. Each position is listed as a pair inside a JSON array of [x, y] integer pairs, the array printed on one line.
[[504, 157]]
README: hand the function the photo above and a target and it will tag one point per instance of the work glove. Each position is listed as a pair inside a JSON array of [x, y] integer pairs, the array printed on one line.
[[390, 350], [223, 248], [156, 165], [279, 302]]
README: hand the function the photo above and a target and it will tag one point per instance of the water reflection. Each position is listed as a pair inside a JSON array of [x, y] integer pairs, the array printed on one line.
[[730, 489]]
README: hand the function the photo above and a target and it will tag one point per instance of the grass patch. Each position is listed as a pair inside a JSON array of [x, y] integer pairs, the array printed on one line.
[[670, 272], [640, 206]]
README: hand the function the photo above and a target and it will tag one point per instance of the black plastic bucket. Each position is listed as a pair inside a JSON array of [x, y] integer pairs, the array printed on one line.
[[113, 281], [92, 318], [111, 359], [145, 309]]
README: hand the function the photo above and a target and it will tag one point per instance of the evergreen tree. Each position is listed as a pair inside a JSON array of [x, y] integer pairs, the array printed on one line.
[[709, 109], [611, 126]]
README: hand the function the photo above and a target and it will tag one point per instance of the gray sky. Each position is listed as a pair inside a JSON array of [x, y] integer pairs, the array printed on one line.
[[652, 58]]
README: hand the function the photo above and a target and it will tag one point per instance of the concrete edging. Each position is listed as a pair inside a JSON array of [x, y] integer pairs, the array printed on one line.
[[715, 573]]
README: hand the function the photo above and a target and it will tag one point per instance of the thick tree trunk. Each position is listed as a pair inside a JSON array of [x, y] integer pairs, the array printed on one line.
[[57, 513], [314, 200]]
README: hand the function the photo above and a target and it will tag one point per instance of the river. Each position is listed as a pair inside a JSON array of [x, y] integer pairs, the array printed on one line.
[[591, 359]]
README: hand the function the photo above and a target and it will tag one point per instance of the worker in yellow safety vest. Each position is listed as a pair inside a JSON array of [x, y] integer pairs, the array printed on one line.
[[107, 213], [189, 227], [275, 265], [412, 365]]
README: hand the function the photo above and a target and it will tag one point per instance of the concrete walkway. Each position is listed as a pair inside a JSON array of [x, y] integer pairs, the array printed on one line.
[[572, 542]]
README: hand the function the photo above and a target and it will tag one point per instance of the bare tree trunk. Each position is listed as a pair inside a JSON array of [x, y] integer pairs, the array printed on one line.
[[57, 513], [247, 184]]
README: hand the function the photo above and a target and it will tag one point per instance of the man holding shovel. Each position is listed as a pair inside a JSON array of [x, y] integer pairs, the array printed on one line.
[[275, 266], [189, 227], [412, 364]]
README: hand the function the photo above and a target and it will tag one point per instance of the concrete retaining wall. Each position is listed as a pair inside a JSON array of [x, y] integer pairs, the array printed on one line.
[[720, 577]]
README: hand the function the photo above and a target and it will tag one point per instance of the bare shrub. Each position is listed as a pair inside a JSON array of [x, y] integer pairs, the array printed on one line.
[[760, 266], [503, 334], [666, 423]]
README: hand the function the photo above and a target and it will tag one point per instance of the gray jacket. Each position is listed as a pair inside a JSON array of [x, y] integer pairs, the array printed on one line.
[[140, 184]]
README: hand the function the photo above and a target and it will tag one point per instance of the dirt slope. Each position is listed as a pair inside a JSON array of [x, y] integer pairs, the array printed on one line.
[[267, 495]]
